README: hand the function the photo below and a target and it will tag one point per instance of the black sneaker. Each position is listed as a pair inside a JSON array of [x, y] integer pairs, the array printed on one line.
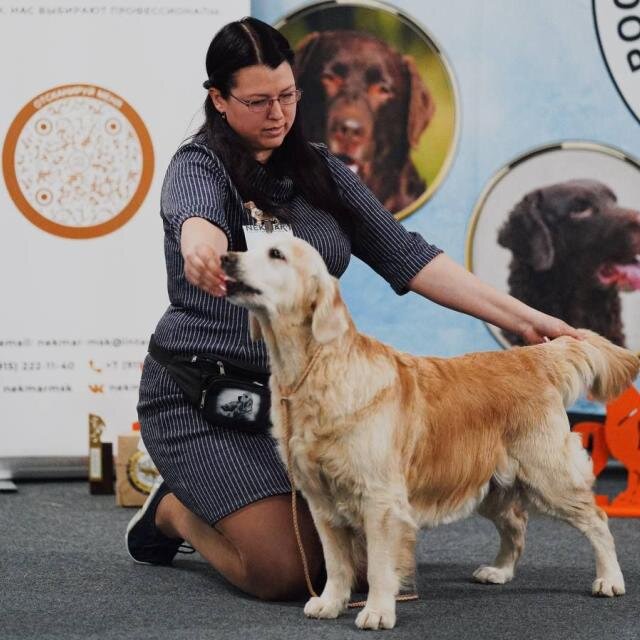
[[145, 543]]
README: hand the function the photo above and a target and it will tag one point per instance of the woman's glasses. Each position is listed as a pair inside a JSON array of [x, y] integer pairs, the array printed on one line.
[[262, 104]]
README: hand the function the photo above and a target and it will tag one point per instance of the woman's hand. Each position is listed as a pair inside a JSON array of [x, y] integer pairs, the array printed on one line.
[[202, 269], [201, 244], [543, 327]]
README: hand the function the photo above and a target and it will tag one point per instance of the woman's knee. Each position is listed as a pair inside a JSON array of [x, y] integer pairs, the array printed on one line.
[[271, 565], [281, 576]]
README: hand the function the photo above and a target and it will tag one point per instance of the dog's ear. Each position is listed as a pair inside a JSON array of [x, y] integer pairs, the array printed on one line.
[[255, 331], [310, 58], [329, 320], [527, 235], [304, 52], [421, 104]]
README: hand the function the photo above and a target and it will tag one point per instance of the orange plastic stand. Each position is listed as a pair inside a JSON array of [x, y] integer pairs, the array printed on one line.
[[619, 437]]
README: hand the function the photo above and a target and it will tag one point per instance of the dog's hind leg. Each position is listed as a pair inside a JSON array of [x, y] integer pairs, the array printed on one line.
[[578, 508], [504, 509], [561, 487]]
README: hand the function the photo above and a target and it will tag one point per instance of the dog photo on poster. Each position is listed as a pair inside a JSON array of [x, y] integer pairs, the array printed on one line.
[[559, 228], [379, 93]]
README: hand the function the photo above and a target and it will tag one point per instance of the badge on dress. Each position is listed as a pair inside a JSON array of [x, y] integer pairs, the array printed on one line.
[[265, 228]]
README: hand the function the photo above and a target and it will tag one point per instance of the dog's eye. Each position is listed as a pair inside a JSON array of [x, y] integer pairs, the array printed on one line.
[[578, 205], [276, 254], [383, 90], [339, 69], [581, 214]]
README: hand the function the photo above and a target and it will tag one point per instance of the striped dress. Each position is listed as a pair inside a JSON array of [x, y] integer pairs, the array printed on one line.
[[212, 470]]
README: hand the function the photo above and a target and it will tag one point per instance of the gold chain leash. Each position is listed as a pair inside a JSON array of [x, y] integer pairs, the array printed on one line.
[[285, 400]]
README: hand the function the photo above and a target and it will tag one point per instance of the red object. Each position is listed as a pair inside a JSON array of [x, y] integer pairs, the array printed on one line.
[[135, 426], [619, 437]]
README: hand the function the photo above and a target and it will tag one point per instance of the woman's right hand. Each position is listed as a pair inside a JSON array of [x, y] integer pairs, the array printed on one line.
[[201, 244]]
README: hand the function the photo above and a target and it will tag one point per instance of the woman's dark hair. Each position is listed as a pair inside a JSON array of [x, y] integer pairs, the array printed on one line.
[[245, 43]]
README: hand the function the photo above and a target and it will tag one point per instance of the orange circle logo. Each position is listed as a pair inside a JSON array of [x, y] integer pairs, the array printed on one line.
[[78, 161]]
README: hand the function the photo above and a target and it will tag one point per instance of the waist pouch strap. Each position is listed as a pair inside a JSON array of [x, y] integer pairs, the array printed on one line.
[[228, 393]]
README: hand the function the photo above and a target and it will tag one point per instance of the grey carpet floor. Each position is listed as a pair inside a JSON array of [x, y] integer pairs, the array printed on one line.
[[64, 574]]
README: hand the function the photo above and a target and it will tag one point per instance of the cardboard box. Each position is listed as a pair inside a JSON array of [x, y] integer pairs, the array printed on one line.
[[135, 472]]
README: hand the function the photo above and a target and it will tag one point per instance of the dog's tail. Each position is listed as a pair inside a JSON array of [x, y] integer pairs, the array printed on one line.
[[593, 364]]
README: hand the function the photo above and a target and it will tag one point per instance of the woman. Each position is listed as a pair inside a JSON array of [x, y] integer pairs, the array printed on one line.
[[225, 491]]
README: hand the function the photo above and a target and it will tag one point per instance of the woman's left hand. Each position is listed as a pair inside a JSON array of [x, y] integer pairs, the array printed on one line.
[[544, 327]]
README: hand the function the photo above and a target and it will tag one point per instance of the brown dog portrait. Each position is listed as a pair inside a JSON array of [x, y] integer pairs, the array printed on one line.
[[368, 103], [573, 250]]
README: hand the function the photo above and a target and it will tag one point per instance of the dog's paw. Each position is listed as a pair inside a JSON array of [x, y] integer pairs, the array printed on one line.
[[323, 608], [376, 618], [608, 588], [492, 575]]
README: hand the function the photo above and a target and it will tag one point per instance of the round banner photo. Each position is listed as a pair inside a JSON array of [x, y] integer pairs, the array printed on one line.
[[378, 91], [78, 161], [559, 229]]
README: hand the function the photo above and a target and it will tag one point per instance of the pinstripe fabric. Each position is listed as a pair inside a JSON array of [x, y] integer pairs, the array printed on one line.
[[212, 470]]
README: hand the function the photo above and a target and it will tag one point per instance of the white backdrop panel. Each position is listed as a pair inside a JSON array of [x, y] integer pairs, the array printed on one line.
[[77, 313]]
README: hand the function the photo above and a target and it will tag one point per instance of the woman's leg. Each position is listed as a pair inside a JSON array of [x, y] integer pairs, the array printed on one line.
[[254, 548]]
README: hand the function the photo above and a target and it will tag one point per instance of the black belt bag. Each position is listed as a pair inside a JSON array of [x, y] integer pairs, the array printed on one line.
[[228, 393]]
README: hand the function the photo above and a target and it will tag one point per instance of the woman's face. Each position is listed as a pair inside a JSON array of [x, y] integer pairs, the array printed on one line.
[[265, 130]]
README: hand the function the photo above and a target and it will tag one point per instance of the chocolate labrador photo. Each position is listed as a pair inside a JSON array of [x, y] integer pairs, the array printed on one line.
[[368, 103], [573, 250]]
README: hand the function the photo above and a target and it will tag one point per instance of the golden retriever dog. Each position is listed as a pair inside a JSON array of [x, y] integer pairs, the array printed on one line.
[[382, 442]]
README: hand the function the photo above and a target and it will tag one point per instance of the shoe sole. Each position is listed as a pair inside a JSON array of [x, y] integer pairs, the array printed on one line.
[[134, 521]]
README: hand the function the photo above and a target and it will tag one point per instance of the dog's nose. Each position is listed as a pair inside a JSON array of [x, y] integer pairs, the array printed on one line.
[[350, 127], [229, 264]]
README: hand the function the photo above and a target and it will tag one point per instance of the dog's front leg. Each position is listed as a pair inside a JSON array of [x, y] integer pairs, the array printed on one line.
[[384, 532], [336, 546]]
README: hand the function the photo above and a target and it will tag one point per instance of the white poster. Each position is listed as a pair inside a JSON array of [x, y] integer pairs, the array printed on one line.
[[96, 98]]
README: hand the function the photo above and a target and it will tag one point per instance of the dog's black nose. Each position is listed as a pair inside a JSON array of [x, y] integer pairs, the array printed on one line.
[[229, 264], [228, 259]]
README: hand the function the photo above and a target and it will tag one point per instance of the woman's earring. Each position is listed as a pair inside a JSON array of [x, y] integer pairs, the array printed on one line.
[[223, 115]]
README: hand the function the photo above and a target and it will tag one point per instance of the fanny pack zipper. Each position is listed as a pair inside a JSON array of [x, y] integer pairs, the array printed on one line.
[[222, 372]]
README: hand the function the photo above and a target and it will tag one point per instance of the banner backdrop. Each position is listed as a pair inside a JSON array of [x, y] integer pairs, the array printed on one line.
[[96, 98], [516, 97], [528, 102]]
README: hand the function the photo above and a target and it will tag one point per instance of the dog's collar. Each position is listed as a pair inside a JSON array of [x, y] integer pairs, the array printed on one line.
[[286, 394]]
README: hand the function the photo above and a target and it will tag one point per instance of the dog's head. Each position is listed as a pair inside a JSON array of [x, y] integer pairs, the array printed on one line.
[[285, 283], [362, 98], [576, 226]]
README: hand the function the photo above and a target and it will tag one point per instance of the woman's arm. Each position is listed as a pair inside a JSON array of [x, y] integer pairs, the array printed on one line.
[[201, 245], [451, 285]]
